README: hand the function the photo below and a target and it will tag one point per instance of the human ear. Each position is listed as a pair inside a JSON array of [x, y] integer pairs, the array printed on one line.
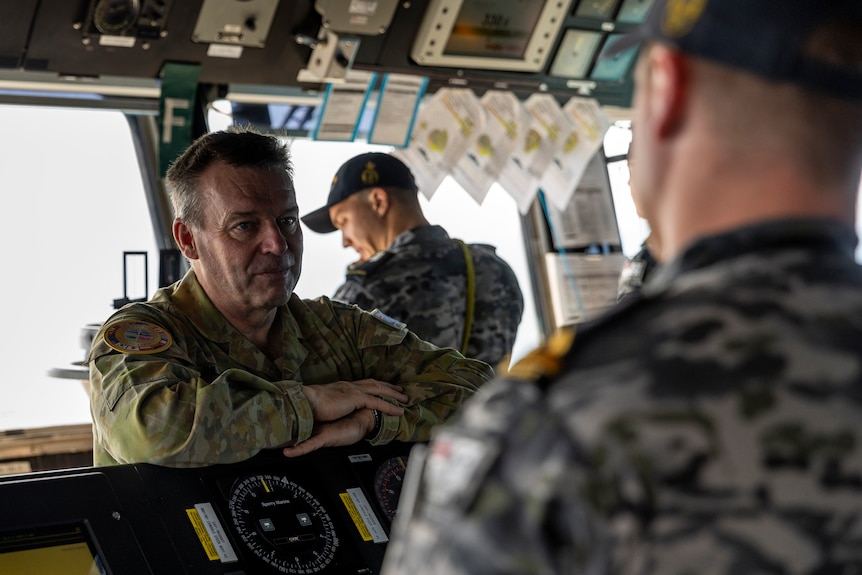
[[185, 238], [667, 86], [378, 198]]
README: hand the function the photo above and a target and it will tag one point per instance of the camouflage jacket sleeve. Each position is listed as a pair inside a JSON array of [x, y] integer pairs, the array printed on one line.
[[437, 380], [170, 408], [494, 493]]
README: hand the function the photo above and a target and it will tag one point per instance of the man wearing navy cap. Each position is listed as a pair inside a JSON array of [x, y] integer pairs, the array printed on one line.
[[709, 424], [448, 293]]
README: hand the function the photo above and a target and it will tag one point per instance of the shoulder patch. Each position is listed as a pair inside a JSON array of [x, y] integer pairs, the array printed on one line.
[[390, 321], [455, 468], [134, 336]]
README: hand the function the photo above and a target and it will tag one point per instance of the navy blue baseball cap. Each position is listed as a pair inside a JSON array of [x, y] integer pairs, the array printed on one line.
[[768, 38], [370, 170]]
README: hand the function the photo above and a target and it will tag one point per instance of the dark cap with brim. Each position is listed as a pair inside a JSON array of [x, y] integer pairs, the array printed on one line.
[[370, 170], [767, 38]]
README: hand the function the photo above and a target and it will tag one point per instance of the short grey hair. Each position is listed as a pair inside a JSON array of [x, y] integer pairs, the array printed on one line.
[[240, 147]]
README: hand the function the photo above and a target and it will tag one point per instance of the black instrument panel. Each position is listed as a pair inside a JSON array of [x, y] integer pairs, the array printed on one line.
[[82, 40], [328, 512]]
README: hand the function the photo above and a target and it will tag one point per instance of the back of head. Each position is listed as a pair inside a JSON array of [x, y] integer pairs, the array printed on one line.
[[782, 79], [238, 147], [810, 43]]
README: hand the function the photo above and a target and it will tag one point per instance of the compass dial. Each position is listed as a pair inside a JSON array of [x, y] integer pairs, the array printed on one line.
[[282, 524]]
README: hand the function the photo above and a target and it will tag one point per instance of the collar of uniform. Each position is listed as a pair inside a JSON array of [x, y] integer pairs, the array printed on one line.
[[809, 234], [197, 306], [418, 235]]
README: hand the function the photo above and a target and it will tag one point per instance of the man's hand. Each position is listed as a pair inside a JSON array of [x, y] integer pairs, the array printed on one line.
[[345, 431], [333, 401]]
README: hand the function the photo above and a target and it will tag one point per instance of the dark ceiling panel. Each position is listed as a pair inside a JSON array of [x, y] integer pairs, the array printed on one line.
[[15, 19], [64, 42]]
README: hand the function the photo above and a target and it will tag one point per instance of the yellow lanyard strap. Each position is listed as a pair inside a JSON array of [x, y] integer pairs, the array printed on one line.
[[471, 295]]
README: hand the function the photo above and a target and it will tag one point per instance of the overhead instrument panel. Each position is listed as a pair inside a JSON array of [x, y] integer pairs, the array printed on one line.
[[367, 17], [515, 35], [277, 51], [326, 513], [593, 29], [232, 41], [244, 23], [524, 46], [125, 21]]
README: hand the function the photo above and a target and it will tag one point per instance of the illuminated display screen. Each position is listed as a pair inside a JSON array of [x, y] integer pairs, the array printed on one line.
[[493, 28], [634, 11], [602, 9], [62, 550], [575, 54], [613, 68]]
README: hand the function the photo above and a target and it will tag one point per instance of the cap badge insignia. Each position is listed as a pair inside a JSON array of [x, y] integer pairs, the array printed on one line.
[[369, 175]]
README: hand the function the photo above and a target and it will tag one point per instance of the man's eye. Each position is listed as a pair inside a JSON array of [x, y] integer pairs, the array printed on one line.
[[243, 226], [289, 221]]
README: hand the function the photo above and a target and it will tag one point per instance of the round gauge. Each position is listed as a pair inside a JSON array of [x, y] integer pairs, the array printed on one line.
[[282, 524], [116, 16], [387, 484]]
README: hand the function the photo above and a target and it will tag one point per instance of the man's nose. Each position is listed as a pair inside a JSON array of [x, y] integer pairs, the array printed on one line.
[[274, 241]]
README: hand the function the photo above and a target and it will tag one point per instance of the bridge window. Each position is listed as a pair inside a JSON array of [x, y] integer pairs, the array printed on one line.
[[74, 203]]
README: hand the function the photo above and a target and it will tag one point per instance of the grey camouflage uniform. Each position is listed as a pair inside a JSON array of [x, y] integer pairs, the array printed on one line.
[[213, 397], [420, 280], [711, 425]]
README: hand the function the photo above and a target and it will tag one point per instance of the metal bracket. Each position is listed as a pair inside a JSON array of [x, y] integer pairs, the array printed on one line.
[[330, 59]]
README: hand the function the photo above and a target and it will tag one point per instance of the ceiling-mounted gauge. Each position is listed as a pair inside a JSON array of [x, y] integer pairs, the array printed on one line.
[[513, 35], [282, 524], [116, 17]]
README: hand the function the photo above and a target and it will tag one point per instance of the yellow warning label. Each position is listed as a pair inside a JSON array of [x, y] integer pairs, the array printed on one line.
[[357, 518], [204, 537]]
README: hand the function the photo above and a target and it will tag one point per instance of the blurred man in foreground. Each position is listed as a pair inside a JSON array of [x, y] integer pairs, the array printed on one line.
[[709, 424]]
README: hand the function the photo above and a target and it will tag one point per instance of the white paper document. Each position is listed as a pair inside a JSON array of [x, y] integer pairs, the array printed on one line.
[[343, 106], [586, 128], [589, 218], [481, 164], [397, 107], [447, 126]]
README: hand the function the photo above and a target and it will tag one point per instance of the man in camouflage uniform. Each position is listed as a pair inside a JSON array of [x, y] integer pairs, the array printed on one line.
[[229, 361], [414, 271], [711, 424]]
